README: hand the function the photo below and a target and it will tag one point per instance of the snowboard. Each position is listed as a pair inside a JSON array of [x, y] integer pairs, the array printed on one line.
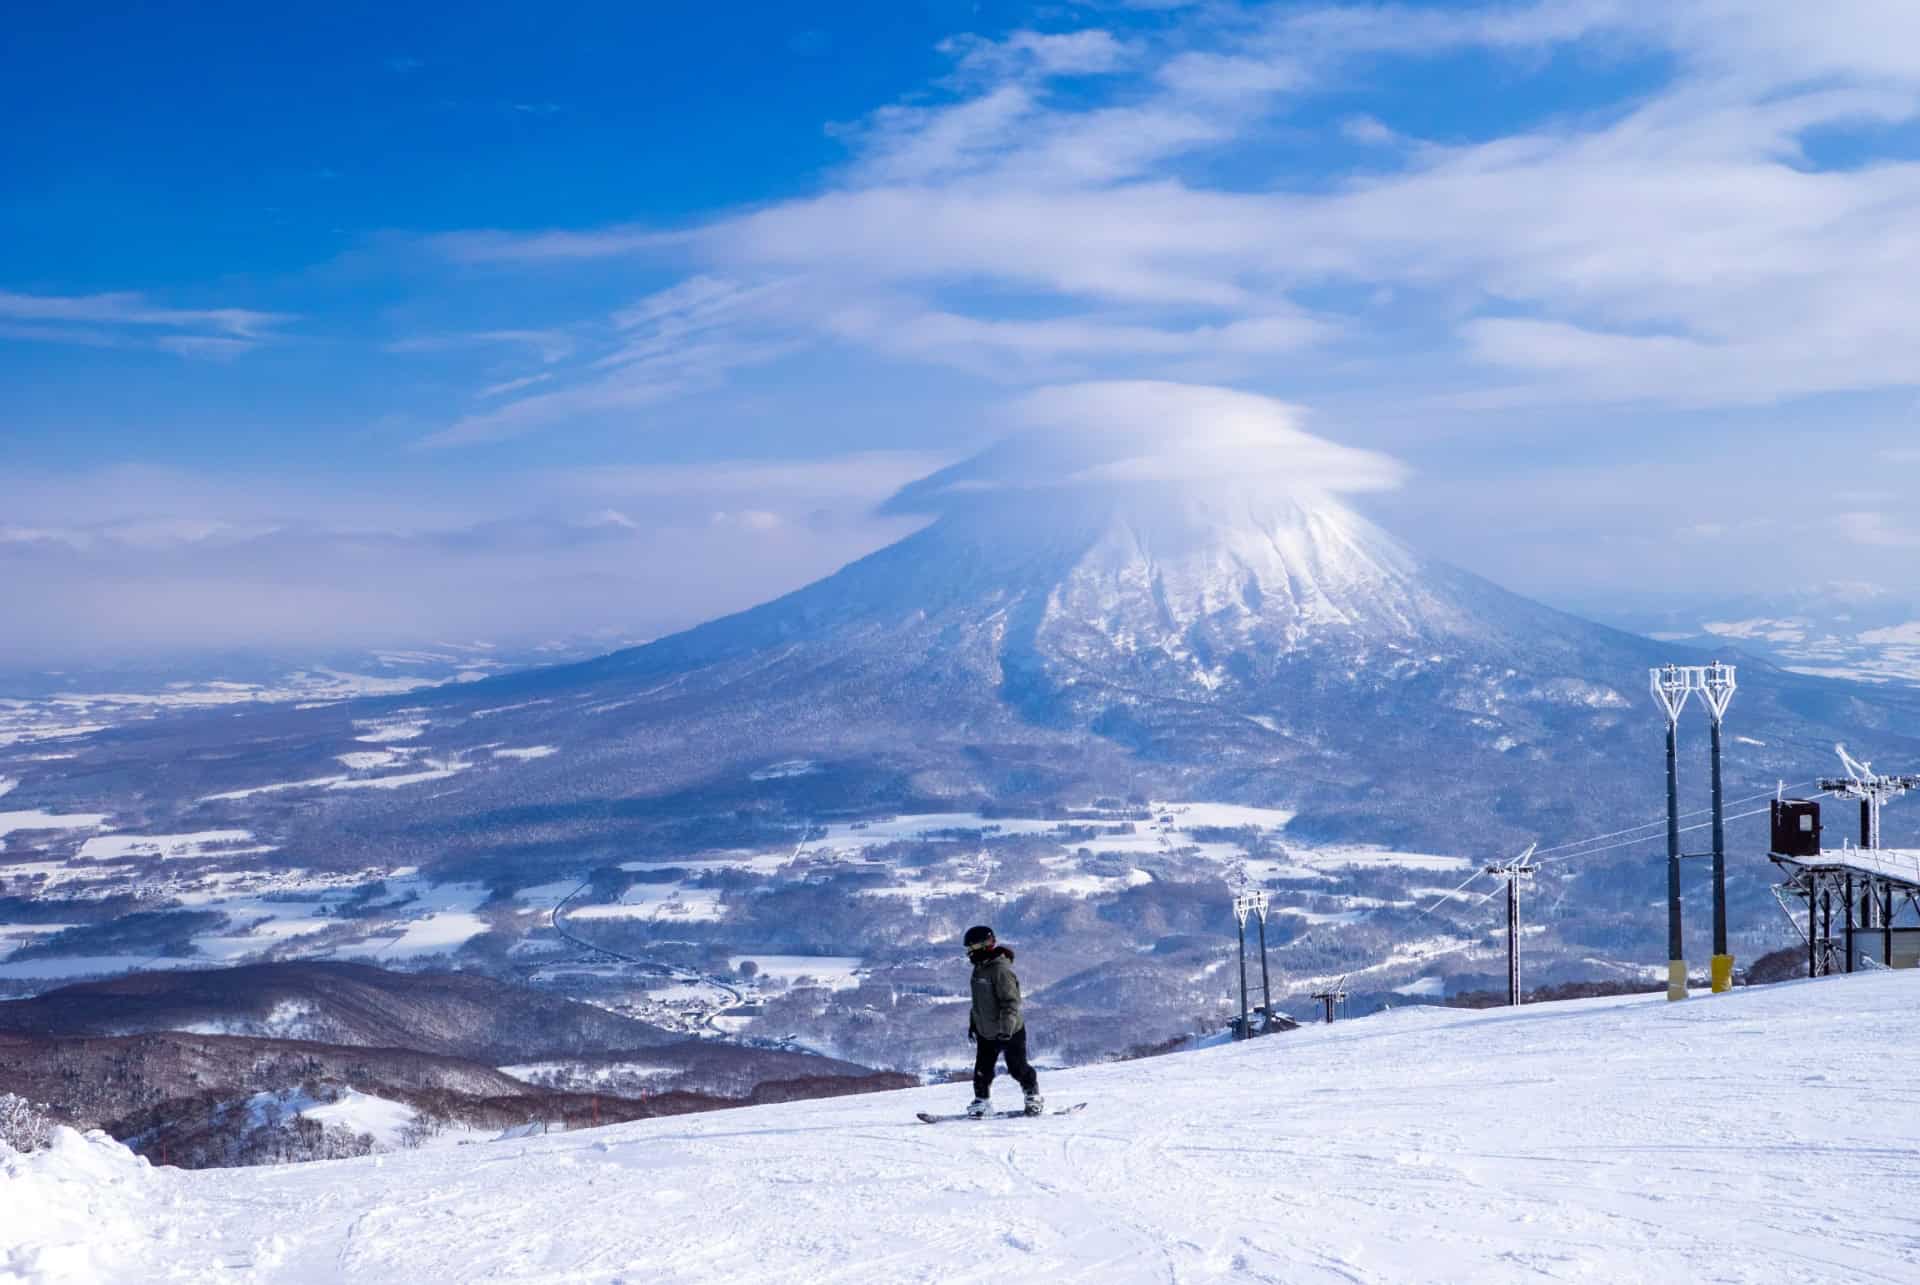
[[929, 1118]]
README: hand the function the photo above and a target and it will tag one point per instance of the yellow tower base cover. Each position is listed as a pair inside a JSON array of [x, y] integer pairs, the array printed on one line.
[[1676, 979], [1722, 973]]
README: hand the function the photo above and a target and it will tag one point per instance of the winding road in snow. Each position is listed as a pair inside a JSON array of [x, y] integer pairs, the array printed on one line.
[[708, 1019]]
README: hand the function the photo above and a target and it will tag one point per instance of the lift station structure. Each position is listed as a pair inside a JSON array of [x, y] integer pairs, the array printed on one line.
[[1862, 902]]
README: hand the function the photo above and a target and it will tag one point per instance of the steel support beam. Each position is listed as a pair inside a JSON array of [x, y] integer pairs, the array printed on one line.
[[1812, 923], [1847, 929], [1722, 963], [1676, 947], [1886, 928], [1266, 986], [1513, 942], [1243, 1031], [1826, 931]]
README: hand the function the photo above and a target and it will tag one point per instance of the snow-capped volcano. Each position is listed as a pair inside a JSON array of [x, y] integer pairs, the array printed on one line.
[[1208, 575], [1150, 589], [1194, 602], [1194, 534], [1150, 592]]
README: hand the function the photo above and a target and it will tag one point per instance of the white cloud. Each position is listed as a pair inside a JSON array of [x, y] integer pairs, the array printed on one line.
[[549, 345], [1156, 431], [858, 479], [1685, 246], [1876, 530], [134, 310], [681, 340], [505, 386], [216, 347], [1210, 75], [128, 320], [1368, 131], [484, 247], [1032, 53], [1104, 433], [1022, 350]]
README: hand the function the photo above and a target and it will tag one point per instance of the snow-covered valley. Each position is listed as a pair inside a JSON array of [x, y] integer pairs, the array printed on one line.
[[1764, 1135]]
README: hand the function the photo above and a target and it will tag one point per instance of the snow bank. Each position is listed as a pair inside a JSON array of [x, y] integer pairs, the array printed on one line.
[[77, 1211], [1765, 1135]]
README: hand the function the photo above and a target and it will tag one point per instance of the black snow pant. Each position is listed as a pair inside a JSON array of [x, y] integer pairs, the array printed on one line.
[[988, 1056]]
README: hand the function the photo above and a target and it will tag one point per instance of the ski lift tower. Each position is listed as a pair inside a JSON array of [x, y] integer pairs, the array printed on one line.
[[1334, 995], [1245, 903], [1671, 685], [1716, 688], [1520, 867], [1671, 689]]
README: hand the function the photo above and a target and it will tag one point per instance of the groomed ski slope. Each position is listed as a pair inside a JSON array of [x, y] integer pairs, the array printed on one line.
[[1765, 1135]]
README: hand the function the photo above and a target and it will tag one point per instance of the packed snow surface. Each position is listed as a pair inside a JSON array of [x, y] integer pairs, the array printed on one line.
[[1766, 1135]]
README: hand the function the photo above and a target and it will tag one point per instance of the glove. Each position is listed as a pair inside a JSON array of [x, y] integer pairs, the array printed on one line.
[[973, 1034]]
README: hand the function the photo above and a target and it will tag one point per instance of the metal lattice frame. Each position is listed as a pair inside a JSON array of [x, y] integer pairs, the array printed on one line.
[[1842, 906]]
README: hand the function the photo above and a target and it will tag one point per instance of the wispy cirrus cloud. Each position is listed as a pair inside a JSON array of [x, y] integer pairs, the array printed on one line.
[[676, 341], [1687, 244], [128, 320], [488, 246], [549, 345]]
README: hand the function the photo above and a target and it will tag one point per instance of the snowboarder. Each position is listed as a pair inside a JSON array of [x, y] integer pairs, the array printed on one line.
[[996, 1023]]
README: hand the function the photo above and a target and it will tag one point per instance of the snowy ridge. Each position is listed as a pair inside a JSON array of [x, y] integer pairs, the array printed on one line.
[[1235, 558], [1598, 1140]]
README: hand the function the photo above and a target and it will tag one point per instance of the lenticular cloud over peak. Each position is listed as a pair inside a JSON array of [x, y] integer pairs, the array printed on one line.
[[1122, 432]]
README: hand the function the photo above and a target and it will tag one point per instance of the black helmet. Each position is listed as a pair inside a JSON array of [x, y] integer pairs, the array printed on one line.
[[977, 936]]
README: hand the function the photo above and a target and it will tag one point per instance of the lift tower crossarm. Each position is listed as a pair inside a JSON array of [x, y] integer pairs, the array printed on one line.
[[1872, 789]]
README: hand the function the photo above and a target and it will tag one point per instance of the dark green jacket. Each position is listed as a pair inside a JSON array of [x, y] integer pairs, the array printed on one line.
[[996, 997]]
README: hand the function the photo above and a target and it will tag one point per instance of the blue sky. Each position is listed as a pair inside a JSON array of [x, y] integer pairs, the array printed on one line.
[[357, 323]]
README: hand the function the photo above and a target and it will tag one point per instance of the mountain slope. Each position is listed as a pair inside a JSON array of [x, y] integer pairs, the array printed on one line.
[[1223, 642], [1589, 1139], [1235, 638], [458, 1015], [1069, 636]]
